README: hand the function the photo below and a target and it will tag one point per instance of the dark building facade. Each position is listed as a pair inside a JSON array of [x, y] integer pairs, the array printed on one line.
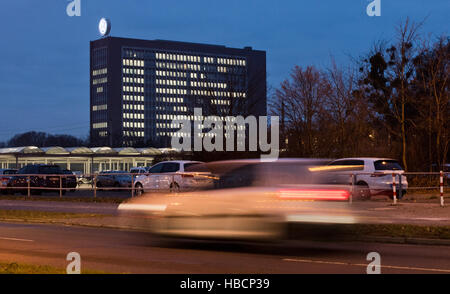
[[137, 87]]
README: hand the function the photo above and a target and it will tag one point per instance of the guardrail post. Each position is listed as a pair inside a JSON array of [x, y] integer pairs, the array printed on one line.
[[132, 185], [394, 189], [400, 188], [29, 186], [441, 187], [95, 186], [60, 186]]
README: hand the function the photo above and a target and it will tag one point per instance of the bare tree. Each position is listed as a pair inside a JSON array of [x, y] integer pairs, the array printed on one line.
[[299, 101], [388, 83], [432, 82], [340, 108]]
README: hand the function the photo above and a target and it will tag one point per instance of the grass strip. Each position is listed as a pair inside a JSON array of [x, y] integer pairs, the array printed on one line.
[[113, 200], [356, 231], [398, 230], [41, 215], [26, 269]]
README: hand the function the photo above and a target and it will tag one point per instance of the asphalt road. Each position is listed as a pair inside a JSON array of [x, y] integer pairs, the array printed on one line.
[[115, 251]]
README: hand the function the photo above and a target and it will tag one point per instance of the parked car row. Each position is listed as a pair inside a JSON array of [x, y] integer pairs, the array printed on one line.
[[14, 181], [371, 176]]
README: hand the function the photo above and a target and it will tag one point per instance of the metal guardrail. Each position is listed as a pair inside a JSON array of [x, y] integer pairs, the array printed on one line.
[[91, 183], [437, 184]]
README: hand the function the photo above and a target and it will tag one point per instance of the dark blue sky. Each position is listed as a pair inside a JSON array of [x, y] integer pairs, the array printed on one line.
[[44, 54]]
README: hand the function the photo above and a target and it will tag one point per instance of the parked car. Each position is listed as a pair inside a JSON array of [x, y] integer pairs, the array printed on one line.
[[43, 178], [139, 170], [5, 176], [170, 176], [113, 179], [372, 176], [82, 179], [71, 180]]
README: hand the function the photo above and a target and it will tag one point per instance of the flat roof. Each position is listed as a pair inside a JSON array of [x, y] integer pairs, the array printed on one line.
[[83, 151], [178, 45]]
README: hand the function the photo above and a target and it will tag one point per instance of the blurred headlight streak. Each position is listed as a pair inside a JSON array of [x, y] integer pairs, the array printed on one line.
[[142, 207], [324, 195], [326, 219]]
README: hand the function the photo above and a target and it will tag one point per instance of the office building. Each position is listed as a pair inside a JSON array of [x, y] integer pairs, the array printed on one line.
[[137, 87]]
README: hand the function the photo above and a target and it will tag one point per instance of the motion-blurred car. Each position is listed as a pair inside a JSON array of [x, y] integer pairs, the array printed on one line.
[[247, 199], [113, 179], [71, 180], [372, 176], [170, 176], [5, 176], [43, 178]]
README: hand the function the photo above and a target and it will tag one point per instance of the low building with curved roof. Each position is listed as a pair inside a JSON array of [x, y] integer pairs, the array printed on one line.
[[83, 159]]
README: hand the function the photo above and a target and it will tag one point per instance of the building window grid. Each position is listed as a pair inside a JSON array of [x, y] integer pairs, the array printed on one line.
[[133, 96], [99, 104], [173, 85]]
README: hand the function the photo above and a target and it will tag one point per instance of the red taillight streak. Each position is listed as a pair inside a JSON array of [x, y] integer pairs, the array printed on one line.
[[314, 194], [187, 176]]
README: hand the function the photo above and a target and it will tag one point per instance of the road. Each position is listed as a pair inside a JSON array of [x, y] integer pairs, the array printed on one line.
[[116, 251]]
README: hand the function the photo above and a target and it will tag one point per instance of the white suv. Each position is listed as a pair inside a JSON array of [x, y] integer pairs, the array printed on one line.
[[169, 176], [372, 176]]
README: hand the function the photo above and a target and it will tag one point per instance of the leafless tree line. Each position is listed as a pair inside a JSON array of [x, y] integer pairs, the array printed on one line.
[[393, 102]]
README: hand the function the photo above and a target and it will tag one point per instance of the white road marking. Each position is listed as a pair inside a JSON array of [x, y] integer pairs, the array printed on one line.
[[365, 265], [14, 239]]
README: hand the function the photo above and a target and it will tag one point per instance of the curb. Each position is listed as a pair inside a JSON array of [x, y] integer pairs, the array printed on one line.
[[401, 240], [412, 241]]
